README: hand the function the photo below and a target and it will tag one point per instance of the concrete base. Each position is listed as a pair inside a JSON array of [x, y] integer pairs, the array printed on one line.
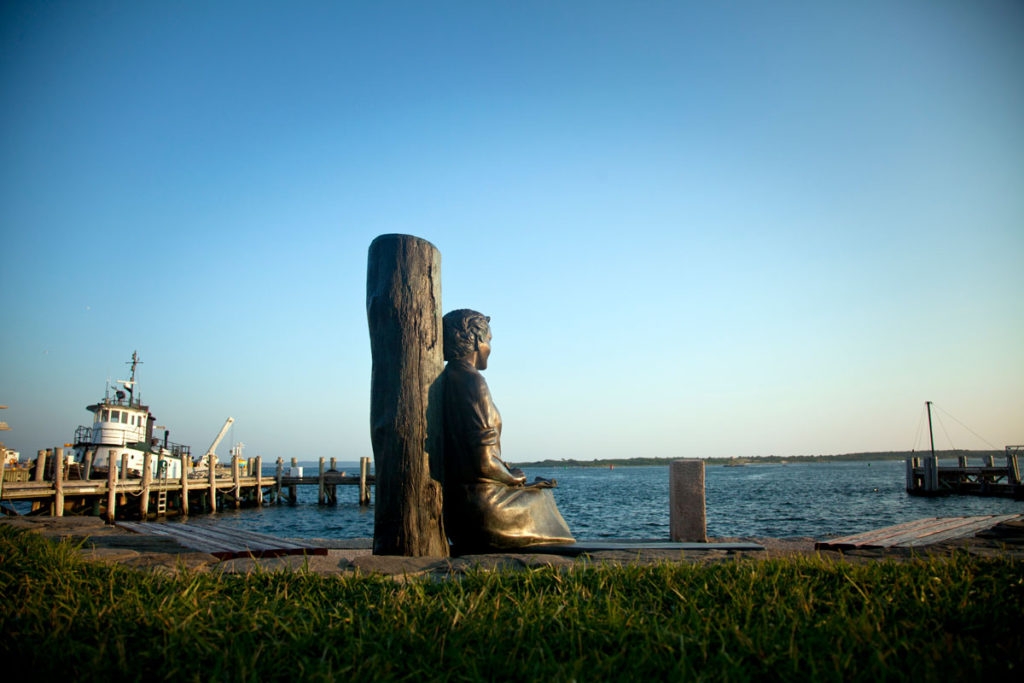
[[583, 547]]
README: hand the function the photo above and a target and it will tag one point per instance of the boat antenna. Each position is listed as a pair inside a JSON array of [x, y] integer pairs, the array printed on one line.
[[135, 362], [130, 384]]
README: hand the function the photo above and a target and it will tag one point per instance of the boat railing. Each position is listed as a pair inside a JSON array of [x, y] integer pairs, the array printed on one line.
[[83, 434], [125, 402], [179, 450]]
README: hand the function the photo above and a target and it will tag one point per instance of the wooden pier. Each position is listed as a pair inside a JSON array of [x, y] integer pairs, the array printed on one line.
[[224, 544], [918, 533], [925, 477], [68, 489]]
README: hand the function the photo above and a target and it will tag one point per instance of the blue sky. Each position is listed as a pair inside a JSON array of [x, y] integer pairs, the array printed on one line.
[[700, 229]]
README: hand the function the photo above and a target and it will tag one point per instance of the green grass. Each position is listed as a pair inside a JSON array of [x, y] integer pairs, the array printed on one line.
[[801, 619]]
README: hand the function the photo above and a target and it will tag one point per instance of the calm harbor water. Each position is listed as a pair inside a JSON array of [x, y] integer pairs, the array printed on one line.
[[814, 500]]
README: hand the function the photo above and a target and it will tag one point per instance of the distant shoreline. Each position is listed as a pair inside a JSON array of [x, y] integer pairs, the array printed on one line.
[[758, 459]]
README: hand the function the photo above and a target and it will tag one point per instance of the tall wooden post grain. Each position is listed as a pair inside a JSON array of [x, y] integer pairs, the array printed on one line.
[[186, 465], [212, 477], [403, 308], [687, 509], [236, 480], [58, 482], [364, 491], [111, 488], [40, 465], [278, 475], [147, 481], [259, 480]]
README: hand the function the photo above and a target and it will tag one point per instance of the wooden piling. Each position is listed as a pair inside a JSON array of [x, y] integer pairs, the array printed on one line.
[[111, 488], [259, 480], [403, 309], [58, 482], [89, 455], [236, 481], [212, 473], [147, 482], [931, 474], [278, 476], [186, 465], [40, 466], [292, 493], [321, 495], [687, 509], [364, 490], [1012, 467]]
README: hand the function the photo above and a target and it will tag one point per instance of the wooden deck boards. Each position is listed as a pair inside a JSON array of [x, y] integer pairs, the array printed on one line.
[[918, 533], [223, 543]]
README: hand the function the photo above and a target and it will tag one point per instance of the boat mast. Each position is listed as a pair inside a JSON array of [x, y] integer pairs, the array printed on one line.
[[130, 384], [931, 437], [135, 363]]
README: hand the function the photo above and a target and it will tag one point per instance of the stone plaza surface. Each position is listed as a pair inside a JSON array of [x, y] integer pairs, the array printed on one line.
[[99, 542]]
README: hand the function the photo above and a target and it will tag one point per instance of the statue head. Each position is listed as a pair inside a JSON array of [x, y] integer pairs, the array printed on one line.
[[464, 331]]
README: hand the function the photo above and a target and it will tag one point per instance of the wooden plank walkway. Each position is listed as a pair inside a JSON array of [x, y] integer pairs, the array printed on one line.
[[225, 544], [918, 533]]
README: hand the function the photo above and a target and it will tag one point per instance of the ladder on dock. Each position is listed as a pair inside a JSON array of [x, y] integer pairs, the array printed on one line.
[[161, 495]]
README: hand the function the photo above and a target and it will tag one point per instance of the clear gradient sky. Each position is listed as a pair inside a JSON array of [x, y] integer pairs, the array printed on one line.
[[700, 229]]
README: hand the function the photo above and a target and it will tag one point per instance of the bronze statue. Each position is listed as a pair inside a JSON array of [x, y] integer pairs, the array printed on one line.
[[487, 505]]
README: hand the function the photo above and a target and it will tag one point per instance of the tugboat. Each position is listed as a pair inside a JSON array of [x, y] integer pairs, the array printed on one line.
[[123, 426]]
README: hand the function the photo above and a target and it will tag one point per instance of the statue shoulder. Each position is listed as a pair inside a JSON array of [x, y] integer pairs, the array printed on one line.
[[463, 378]]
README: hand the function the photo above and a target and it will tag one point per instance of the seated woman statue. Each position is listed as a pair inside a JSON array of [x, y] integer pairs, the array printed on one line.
[[487, 505]]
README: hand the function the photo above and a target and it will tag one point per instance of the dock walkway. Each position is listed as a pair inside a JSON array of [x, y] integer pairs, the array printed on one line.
[[919, 533], [223, 543]]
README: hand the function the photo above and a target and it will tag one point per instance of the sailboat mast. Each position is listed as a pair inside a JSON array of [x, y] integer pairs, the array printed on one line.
[[931, 437]]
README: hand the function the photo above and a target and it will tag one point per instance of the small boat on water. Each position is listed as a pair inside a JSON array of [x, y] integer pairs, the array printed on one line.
[[123, 431]]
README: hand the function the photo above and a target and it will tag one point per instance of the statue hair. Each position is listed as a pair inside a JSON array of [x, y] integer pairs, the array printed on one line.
[[462, 329]]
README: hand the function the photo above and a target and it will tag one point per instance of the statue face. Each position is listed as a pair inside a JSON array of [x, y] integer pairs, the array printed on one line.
[[483, 351]]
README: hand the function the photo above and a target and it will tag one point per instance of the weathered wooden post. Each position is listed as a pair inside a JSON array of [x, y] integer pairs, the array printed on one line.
[[111, 488], [186, 465], [212, 481], [89, 454], [293, 472], [278, 475], [236, 479], [364, 490], [687, 510], [321, 494], [403, 309], [58, 482], [40, 465], [147, 481], [259, 480]]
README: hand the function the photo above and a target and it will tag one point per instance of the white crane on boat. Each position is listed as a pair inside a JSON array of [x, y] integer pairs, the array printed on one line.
[[212, 451]]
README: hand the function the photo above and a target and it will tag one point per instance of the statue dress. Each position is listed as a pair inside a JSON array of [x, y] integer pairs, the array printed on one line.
[[487, 505]]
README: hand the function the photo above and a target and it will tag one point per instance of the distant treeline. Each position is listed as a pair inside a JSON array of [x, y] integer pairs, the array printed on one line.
[[759, 459]]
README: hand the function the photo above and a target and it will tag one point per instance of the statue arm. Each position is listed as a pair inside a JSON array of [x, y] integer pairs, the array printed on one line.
[[473, 420], [488, 450], [490, 463]]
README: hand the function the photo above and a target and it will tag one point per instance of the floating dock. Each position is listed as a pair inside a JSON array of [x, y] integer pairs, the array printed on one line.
[[925, 477]]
